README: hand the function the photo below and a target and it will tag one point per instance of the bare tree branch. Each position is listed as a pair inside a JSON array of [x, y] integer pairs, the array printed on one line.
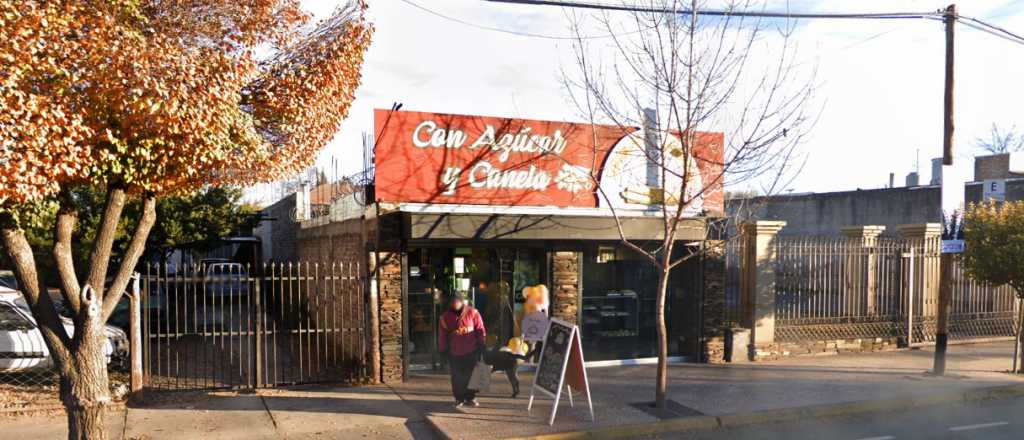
[[698, 75], [1000, 141], [63, 258], [99, 258], [131, 257]]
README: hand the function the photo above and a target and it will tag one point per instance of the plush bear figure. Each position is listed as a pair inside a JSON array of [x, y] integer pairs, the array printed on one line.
[[516, 346], [535, 300]]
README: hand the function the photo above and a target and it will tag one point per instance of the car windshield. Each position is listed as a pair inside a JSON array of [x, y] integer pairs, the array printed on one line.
[[7, 280], [10, 320], [22, 304], [231, 269]]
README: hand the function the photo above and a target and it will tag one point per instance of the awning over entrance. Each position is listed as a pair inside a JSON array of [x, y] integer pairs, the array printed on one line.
[[432, 226]]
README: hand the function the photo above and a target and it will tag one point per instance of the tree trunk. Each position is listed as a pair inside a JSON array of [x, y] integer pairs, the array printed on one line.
[[79, 358], [84, 386], [1018, 348], [661, 386]]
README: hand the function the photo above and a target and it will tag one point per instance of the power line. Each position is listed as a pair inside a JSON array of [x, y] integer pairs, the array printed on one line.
[[990, 32], [991, 29], [509, 31], [723, 13], [836, 50], [970, 22]]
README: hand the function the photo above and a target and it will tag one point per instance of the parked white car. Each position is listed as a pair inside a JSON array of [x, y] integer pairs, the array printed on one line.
[[21, 344], [225, 279]]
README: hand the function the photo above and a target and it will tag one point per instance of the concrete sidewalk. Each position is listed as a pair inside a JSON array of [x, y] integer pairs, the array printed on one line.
[[723, 391], [712, 395], [306, 412]]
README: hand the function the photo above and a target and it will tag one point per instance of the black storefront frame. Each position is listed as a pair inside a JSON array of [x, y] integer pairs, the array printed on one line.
[[412, 245], [687, 276], [402, 237]]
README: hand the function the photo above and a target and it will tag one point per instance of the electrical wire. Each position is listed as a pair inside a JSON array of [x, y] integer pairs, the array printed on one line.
[[991, 29], [970, 22], [509, 31], [847, 47], [722, 13], [990, 32]]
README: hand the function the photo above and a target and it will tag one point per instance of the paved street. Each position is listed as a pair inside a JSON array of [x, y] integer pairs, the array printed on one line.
[[421, 408], [990, 420]]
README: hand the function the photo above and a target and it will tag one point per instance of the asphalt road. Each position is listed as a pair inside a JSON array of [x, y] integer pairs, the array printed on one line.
[[994, 419]]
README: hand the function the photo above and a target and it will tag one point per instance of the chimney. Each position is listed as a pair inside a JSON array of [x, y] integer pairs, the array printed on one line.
[[653, 145], [892, 180], [936, 171], [302, 204], [912, 179]]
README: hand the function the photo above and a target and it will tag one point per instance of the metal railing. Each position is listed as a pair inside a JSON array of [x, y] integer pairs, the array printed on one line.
[[824, 280], [223, 326], [842, 288]]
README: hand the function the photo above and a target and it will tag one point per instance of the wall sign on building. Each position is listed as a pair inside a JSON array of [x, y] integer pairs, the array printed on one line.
[[994, 190], [459, 159]]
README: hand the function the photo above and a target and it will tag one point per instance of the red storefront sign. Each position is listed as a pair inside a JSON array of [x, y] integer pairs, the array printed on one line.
[[459, 159]]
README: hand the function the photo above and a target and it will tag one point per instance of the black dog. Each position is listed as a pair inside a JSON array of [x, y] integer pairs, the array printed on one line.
[[507, 362]]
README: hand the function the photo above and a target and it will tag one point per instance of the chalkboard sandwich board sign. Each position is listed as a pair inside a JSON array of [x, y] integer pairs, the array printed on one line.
[[561, 364]]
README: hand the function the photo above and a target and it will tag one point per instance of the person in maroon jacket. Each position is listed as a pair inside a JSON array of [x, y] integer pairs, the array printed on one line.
[[461, 338]]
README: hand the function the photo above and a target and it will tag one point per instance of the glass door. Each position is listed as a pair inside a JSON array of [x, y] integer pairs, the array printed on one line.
[[492, 279]]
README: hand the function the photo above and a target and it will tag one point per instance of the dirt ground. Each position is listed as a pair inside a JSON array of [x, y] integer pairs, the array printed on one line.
[[41, 394]]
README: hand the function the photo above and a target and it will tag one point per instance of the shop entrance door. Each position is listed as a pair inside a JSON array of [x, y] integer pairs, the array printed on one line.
[[492, 279]]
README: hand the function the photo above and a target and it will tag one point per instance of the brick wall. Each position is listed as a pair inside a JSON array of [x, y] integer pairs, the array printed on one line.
[[565, 295], [347, 242], [713, 277], [996, 166], [389, 284], [807, 348], [280, 234], [341, 241]]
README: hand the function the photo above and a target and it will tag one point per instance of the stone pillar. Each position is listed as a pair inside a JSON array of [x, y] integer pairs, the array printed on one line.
[[925, 239], [862, 266], [388, 275], [713, 306], [565, 279], [758, 280]]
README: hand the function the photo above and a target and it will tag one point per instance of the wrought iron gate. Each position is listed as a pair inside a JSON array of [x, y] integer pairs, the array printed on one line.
[[829, 288], [220, 325]]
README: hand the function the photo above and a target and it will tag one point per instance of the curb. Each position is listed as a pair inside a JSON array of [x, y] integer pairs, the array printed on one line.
[[48, 410], [437, 429], [776, 415]]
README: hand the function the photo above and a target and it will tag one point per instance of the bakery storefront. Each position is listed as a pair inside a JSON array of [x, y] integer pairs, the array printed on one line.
[[490, 206]]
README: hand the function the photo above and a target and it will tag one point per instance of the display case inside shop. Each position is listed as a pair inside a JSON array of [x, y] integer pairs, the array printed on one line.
[[616, 314], [424, 302]]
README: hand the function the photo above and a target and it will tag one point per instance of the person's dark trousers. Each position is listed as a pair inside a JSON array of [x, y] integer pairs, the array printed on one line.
[[536, 352], [462, 370]]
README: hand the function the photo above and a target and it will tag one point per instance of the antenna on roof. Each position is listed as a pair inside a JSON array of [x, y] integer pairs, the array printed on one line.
[[917, 162]]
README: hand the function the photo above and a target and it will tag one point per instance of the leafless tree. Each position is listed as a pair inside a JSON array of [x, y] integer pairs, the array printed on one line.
[[1001, 141], [691, 75]]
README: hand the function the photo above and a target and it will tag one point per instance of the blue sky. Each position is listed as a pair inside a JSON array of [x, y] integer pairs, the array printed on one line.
[[880, 82]]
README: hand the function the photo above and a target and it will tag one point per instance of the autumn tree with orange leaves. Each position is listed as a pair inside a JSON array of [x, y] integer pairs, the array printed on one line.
[[139, 99]]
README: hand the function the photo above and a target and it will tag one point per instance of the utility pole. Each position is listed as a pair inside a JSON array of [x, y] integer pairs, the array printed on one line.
[[946, 262]]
